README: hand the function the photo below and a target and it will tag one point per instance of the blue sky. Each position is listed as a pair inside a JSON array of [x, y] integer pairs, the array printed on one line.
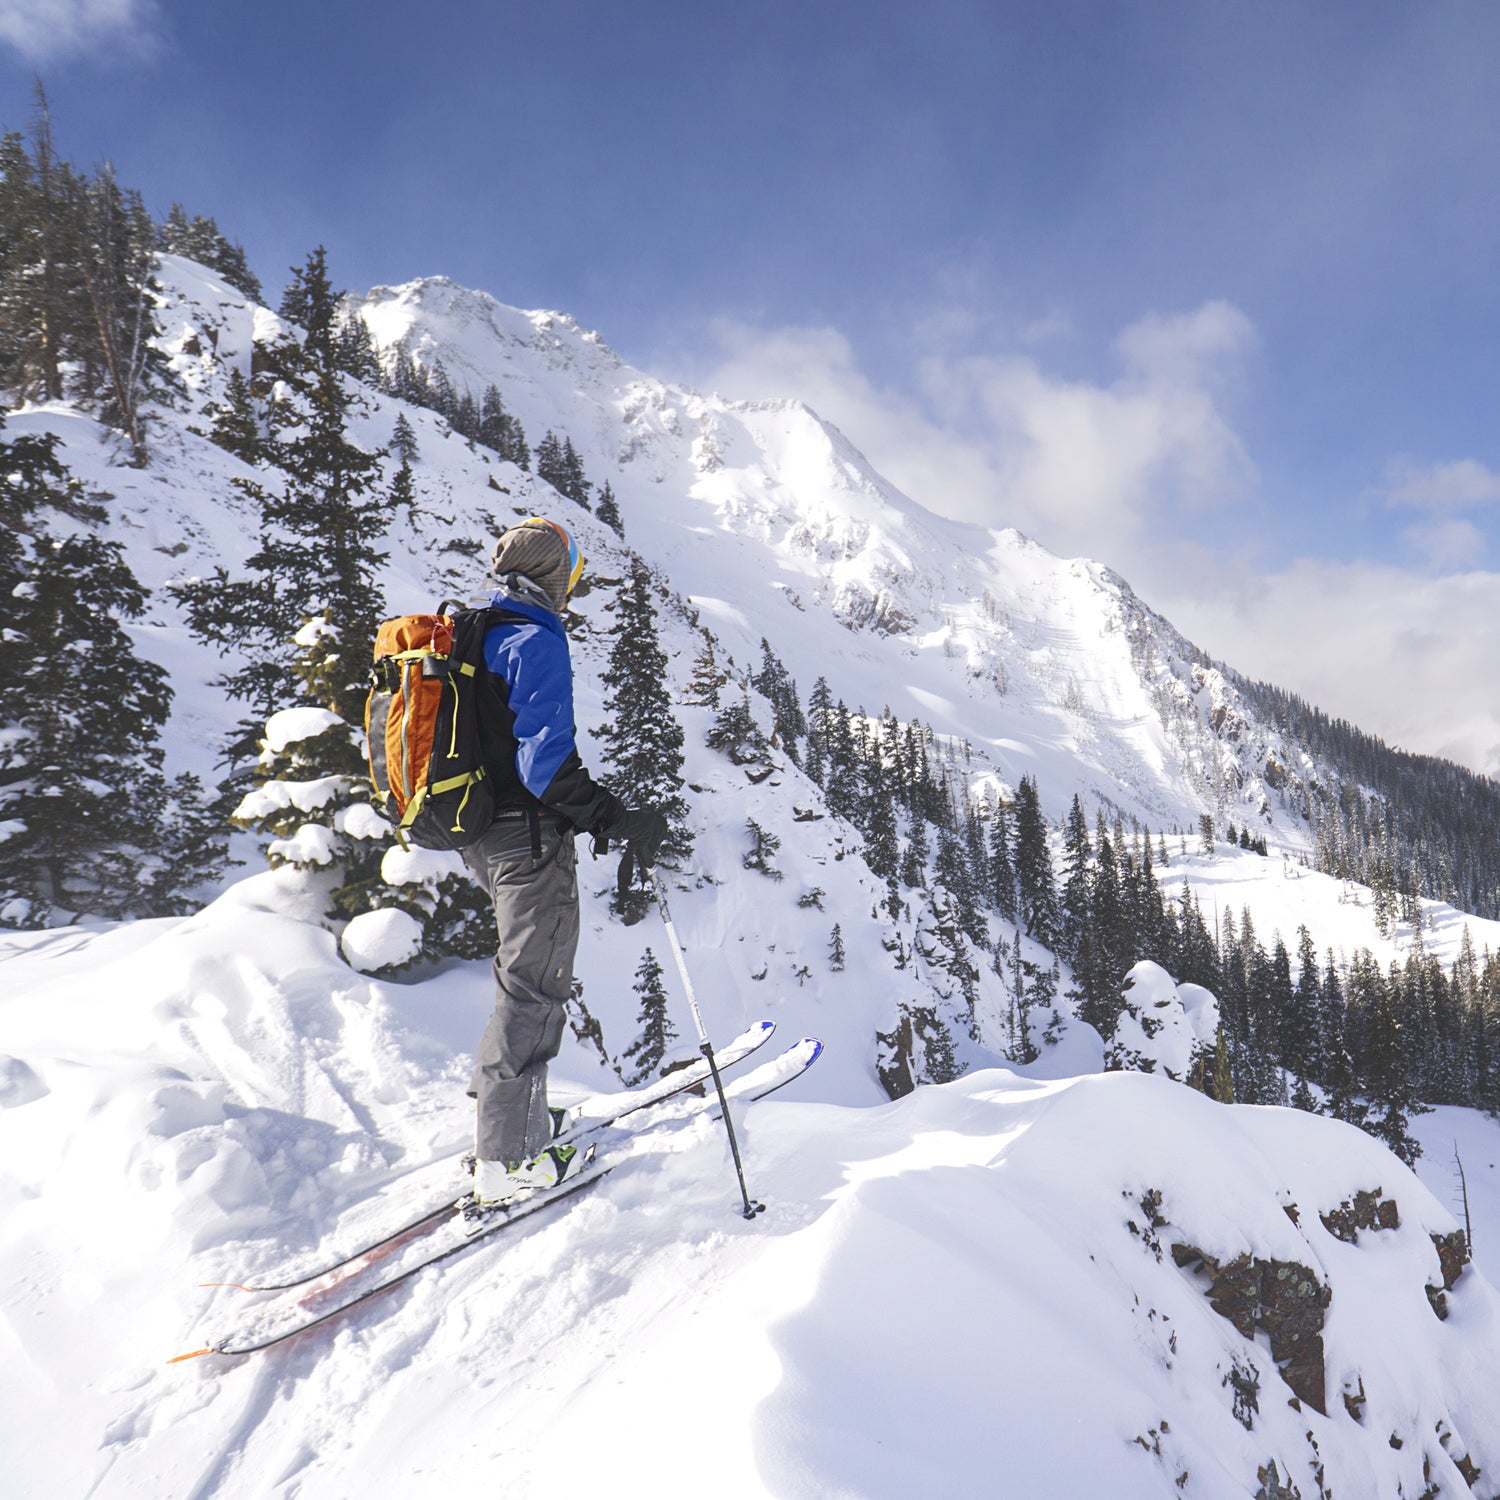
[[1205, 289]]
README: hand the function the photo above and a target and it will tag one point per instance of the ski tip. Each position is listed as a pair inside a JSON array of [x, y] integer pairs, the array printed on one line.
[[177, 1359]]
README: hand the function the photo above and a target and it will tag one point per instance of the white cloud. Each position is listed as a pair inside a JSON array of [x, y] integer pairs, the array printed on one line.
[[1462, 485], [1405, 656], [46, 30], [1448, 543], [1085, 467]]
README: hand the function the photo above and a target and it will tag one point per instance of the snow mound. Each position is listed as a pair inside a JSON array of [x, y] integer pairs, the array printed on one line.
[[1164, 1026], [381, 940]]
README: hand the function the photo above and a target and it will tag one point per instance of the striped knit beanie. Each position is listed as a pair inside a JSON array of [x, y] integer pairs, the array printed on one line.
[[535, 549]]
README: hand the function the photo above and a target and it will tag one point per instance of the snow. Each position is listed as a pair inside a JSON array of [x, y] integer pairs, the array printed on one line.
[[385, 939], [1163, 1026], [311, 844], [945, 1295], [361, 821], [942, 1289], [290, 725]]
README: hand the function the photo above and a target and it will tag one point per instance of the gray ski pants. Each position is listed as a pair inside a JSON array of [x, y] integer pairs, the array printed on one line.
[[536, 918]]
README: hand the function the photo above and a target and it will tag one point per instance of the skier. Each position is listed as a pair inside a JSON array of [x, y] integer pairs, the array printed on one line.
[[526, 860]]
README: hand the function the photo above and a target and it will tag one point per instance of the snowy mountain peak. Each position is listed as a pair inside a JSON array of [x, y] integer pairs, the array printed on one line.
[[474, 335]]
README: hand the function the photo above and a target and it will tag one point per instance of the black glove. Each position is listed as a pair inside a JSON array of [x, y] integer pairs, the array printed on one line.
[[642, 831]]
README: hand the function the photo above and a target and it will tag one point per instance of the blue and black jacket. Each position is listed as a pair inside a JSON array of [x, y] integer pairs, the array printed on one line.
[[526, 726]]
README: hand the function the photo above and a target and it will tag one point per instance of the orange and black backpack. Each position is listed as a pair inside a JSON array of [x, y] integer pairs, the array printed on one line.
[[422, 727]]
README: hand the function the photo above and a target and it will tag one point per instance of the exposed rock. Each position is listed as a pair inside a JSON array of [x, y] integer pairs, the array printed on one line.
[[1282, 1299], [1453, 1256], [1273, 1486], [1367, 1210], [1354, 1401]]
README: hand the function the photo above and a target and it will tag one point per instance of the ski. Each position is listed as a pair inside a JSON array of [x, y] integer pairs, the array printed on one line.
[[320, 1305], [584, 1121]]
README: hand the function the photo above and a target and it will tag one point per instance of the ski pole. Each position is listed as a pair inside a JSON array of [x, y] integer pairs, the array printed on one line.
[[751, 1207]]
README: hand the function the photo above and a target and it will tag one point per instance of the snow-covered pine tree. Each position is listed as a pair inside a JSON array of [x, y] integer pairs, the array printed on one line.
[[735, 733], [644, 1055], [321, 518], [819, 725], [641, 738], [318, 820], [774, 683], [761, 854], [707, 677], [88, 823], [836, 954]]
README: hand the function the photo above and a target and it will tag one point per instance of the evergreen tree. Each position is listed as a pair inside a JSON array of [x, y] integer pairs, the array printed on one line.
[[1037, 893], [354, 348], [707, 678], [1280, 999], [836, 950], [403, 492], [321, 519], [951, 872], [642, 740], [775, 685], [577, 485], [1001, 867], [117, 244], [91, 825], [236, 426], [1077, 892], [557, 462], [762, 852], [645, 1054], [842, 789], [403, 443], [1387, 1070], [1302, 1023], [736, 734], [198, 238], [914, 861], [608, 510], [819, 721], [43, 311], [882, 853]]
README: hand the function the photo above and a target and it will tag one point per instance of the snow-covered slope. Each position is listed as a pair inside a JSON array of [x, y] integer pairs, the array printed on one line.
[[1001, 1285], [946, 1296]]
